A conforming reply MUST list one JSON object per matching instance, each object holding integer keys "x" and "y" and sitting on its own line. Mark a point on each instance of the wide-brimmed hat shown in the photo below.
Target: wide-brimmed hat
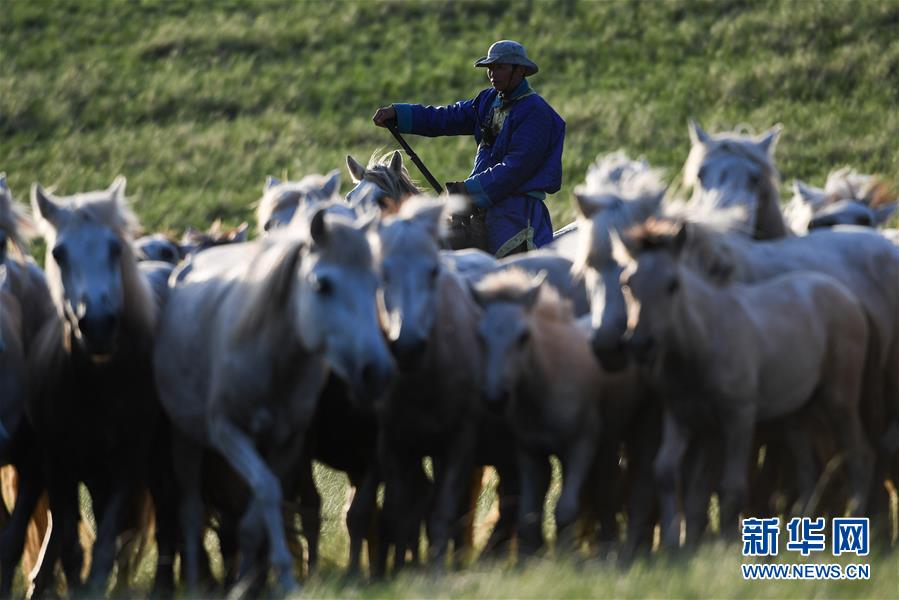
{"x": 508, "y": 52}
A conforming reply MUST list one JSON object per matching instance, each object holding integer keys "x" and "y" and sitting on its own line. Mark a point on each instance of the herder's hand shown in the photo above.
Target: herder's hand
{"x": 384, "y": 114}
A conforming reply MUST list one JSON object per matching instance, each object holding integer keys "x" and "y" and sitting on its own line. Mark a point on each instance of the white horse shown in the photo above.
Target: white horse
{"x": 281, "y": 199}
{"x": 733, "y": 169}
{"x": 246, "y": 342}
{"x": 729, "y": 355}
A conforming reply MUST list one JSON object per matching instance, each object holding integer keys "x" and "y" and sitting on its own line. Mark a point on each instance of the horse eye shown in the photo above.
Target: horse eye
{"x": 115, "y": 249}
{"x": 433, "y": 273}
{"x": 59, "y": 255}
{"x": 523, "y": 338}
{"x": 267, "y": 226}
{"x": 322, "y": 286}
{"x": 673, "y": 285}
{"x": 753, "y": 180}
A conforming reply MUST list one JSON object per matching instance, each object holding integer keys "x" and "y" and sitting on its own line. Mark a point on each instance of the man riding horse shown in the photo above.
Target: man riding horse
{"x": 519, "y": 158}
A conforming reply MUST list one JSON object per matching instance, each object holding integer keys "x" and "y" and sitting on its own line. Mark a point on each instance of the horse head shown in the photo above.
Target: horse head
{"x": 282, "y": 199}
{"x": 410, "y": 268}
{"x": 385, "y": 182}
{"x": 91, "y": 269}
{"x": 504, "y": 331}
{"x": 651, "y": 280}
{"x": 618, "y": 194}
{"x": 334, "y": 303}
{"x": 733, "y": 169}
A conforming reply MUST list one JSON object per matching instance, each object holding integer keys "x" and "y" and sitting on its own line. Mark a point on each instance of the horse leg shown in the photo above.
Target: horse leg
{"x": 310, "y": 512}
{"x": 602, "y": 495}
{"x": 576, "y": 465}
{"x": 738, "y": 429}
{"x": 359, "y": 519}
{"x": 396, "y": 520}
{"x": 165, "y": 503}
{"x": 63, "y": 540}
{"x": 450, "y": 489}
{"x": 667, "y": 470}
{"x": 535, "y": 474}
{"x": 642, "y": 447}
{"x": 12, "y": 539}
{"x": 240, "y": 452}
{"x": 508, "y": 492}
{"x": 108, "y": 526}
{"x": 699, "y": 477}
{"x": 188, "y": 462}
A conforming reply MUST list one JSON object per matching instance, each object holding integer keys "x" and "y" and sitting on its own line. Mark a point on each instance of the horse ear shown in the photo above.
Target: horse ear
{"x": 117, "y": 189}
{"x": 3, "y": 185}
{"x": 584, "y": 203}
{"x": 357, "y": 171}
{"x": 43, "y": 204}
{"x": 396, "y": 162}
{"x": 240, "y": 234}
{"x": 803, "y": 191}
{"x": 697, "y": 135}
{"x": 332, "y": 184}
{"x": 270, "y": 182}
{"x": 318, "y": 229}
{"x": 768, "y": 141}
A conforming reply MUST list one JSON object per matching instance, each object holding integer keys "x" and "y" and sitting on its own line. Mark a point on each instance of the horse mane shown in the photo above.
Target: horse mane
{"x": 397, "y": 185}
{"x": 625, "y": 191}
{"x": 15, "y": 222}
{"x": 848, "y": 184}
{"x": 287, "y": 193}
{"x": 272, "y": 275}
{"x": 705, "y": 246}
{"x": 514, "y": 286}
{"x": 269, "y": 288}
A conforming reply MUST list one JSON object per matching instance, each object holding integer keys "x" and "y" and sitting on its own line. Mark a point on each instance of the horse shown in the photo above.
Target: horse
{"x": 160, "y": 247}
{"x": 847, "y": 198}
{"x": 26, "y": 305}
{"x": 733, "y": 169}
{"x": 429, "y": 320}
{"x": 730, "y": 355}
{"x": 618, "y": 192}
{"x": 281, "y": 199}
{"x": 95, "y": 352}
{"x": 540, "y": 371}
{"x": 268, "y": 320}
{"x": 385, "y": 182}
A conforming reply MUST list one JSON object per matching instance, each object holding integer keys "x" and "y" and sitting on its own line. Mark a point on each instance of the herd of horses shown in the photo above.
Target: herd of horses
{"x": 665, "y": 351}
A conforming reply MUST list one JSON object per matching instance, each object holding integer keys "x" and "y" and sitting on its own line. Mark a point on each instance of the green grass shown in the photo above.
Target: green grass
{"x": 196, "y": 102}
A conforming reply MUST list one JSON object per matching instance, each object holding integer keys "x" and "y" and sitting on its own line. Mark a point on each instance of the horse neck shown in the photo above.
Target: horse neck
{"x": 700, "y": 305}
{"x": 769, "y": 221}
{"x": 457, "y": 317}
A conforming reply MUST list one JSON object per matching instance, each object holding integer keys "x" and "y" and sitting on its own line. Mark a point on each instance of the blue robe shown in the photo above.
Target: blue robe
{"x": 511, "y": 176}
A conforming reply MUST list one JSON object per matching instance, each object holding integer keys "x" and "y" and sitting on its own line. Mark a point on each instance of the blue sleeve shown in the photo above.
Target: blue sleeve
{"x": 460, "y": 118}
{"x": 527, "y": 150}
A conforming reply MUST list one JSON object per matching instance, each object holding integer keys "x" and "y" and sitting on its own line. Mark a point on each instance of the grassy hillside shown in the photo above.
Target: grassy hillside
{"x": 196, "y": 102}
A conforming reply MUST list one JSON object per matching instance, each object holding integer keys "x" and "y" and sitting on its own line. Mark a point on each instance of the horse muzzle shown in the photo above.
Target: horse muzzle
{"x": 612, "y": 353}
{"x": 643, "y": 348}
{"x": 98, "y": 334}
{"x": 408, "y": 352}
